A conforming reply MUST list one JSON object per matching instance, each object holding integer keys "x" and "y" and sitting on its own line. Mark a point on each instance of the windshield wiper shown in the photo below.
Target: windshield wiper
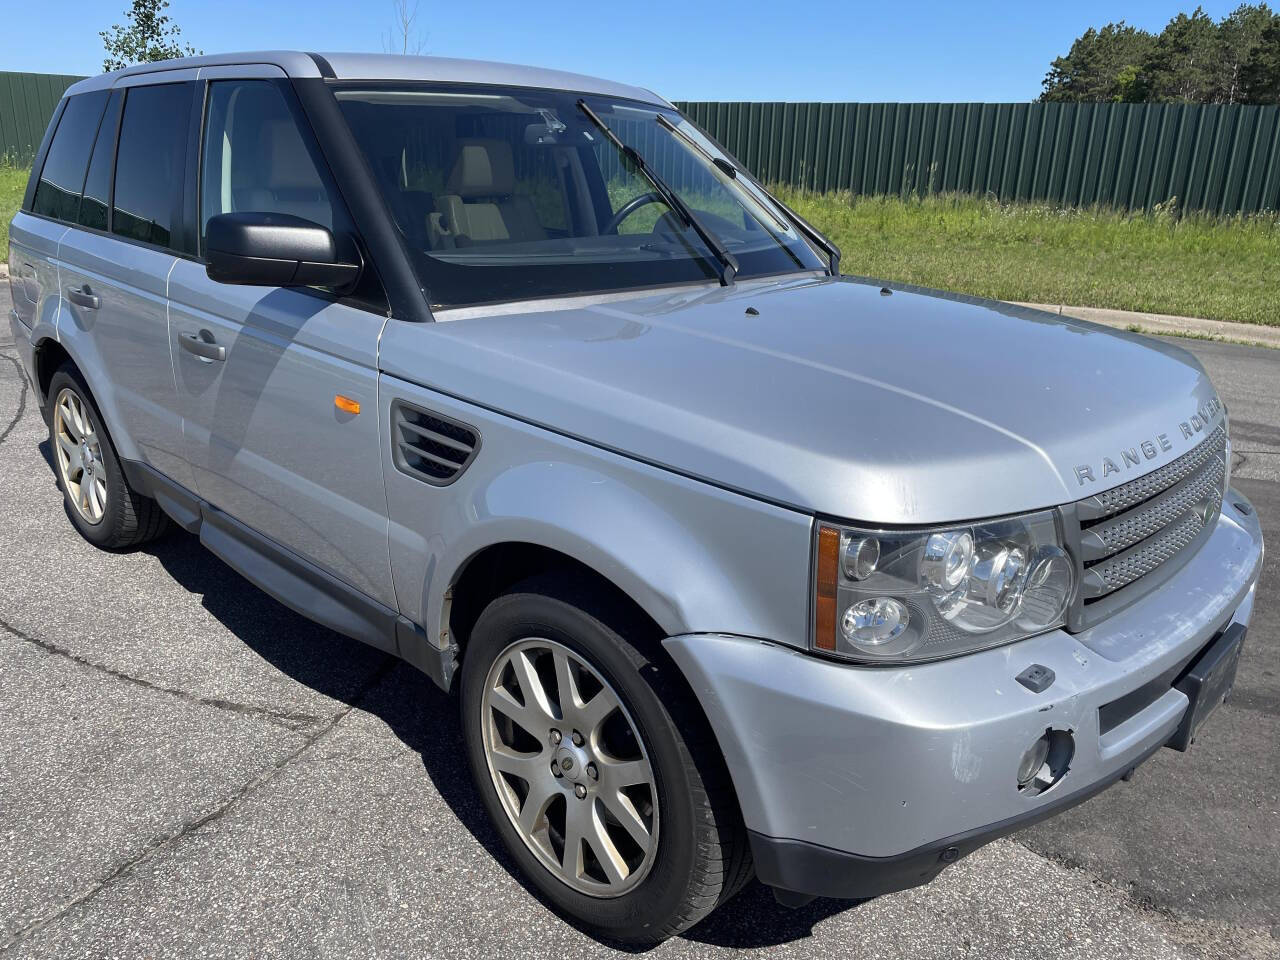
{"x": 721, "y": 164}
{"x": 728, "y": 262}
{"x": 801, "y": 224}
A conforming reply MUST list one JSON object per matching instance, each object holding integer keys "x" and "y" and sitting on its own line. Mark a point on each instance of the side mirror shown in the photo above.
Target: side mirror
{"x": 278, "y": 250}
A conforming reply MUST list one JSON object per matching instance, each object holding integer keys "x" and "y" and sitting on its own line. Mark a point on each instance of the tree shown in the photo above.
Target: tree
{"x": 1101, "y": 65}
{"x": 1260, "y": 75}
{"x": 1239, "y": 34}
{"x": 403, "y": 37}
{"x": 1183, "y": 64}
{"x": 1192, "y": 60}
{"x": 149, "y": 36}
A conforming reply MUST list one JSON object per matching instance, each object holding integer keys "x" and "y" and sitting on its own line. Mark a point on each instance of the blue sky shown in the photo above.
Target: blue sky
{"x": 688, "y": 50}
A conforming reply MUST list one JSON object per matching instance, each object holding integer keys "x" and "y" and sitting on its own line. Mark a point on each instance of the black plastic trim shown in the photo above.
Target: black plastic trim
{"x": 294, "y": 581}
{"x": 365, "y": 202}
{"x": 37, "y": 165}
{"x": 1208, "y": 681}
{"x": 182, "y": 506}
{"x": 323, "y": 65}
{"x": 191, "y": 171}
{"x": 800, "y": 867}
{"x": 1111, "y": 715}
{"x": 398, "y": 418}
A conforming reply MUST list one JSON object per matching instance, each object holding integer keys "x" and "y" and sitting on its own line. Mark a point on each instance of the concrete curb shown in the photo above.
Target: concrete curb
{"x": 1163, "y": 323}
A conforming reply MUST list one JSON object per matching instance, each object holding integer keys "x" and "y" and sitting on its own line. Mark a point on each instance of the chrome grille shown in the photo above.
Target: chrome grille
{"x": 1109, "y": 536}
{"x": 1132, "y": 530}
{"x": 1127, "y": 494}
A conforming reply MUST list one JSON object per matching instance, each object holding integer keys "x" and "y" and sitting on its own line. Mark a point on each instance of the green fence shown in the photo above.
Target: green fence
{"x": 26, "y": 104}
{"x": 1223, "y": 159}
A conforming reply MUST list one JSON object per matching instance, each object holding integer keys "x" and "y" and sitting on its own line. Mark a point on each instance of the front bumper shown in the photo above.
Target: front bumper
{"x": 855, "y": 781}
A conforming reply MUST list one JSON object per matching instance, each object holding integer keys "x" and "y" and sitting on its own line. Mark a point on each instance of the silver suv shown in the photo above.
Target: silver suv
{"x": 737, "y": 565}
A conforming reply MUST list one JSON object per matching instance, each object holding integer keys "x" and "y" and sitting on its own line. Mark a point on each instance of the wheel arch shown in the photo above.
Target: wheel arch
{"x": 49, "y": 354}
{"x": 495, "y": 569}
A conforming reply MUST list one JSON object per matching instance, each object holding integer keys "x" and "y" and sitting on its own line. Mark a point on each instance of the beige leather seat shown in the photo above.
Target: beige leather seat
{"x": 286, "y": 180}
{"x": 480, "y": 205}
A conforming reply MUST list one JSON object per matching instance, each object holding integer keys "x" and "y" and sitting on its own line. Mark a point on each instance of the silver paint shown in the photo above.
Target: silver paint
{"x": 889, "y": 762}
{"x": 680, "y": 446}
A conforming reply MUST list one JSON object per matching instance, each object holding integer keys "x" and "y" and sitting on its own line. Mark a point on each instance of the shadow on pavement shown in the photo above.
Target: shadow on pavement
{"x": 422, "y": 716}
{"x": 425, "y": 719}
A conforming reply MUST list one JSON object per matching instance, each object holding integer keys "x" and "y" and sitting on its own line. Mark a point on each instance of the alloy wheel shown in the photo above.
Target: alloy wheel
{"x": 79, "y": 454}
{"x": 570, "y": 768}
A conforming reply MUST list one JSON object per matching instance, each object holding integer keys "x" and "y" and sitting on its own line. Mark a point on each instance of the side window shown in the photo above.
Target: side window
{"x": 62, "y": 178}
{"x": 257, "y": 159}
{"x": 97, "y": 185}
{"x": 150, "y": 162}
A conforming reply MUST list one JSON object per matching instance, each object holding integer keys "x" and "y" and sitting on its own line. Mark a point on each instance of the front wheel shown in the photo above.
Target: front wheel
{"x": 598, "y": 775}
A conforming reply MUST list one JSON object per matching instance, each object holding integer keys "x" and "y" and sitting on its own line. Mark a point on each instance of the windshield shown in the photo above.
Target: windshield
{"x": 513, "y": 193}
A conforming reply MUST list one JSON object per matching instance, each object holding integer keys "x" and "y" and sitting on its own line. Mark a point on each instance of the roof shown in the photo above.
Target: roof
{"x": 381, "y": 66}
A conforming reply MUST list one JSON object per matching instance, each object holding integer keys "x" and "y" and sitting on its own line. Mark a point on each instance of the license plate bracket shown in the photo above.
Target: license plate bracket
{"x": 1207, "y": 682}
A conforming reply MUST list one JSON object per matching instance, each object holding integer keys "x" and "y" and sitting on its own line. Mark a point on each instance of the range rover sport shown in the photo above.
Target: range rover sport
{"x": 737, "y": 565}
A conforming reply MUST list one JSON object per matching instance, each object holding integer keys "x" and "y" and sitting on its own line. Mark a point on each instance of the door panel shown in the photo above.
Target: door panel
{"x": 123, "y": 343}
{"x": 267, "y": 443}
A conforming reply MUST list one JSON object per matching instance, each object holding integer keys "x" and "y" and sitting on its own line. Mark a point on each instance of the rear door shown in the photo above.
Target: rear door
{"x": 268, "y": 442}
{"x": 115, "y": 264}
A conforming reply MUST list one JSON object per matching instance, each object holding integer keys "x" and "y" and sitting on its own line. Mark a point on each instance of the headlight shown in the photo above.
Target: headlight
{"x": 885, "y": 596}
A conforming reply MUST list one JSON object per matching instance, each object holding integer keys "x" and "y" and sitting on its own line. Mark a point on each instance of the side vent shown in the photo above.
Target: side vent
{"x": 430, "y": 447}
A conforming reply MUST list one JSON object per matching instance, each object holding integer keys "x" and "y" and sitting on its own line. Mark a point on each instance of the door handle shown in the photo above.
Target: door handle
{"x": 202, "y": 345}
{"x": 83, "y": 296}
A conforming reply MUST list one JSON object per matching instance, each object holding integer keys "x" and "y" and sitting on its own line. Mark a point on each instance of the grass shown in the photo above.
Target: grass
{"x": 13, "y": 184}
{"x": 1192, "y": 266}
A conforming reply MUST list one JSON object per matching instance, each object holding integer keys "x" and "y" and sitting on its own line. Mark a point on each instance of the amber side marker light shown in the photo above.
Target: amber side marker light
{"x": 824, "y": 632}
{"x": 346, "y": 404}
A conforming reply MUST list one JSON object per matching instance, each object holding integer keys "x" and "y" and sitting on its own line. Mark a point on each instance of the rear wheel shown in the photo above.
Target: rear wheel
{"x": 599, "y": 776}
{"x": 101, "y": 504}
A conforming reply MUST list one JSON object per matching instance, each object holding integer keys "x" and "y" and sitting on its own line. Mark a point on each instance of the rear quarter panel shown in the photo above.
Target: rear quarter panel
{"x": 33, "y": 273}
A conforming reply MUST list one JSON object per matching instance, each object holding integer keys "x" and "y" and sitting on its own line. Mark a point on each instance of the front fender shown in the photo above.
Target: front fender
{"x": 695, "y": 557}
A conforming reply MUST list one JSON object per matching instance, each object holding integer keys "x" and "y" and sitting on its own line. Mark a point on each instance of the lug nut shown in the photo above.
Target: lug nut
{"x": 556, "y": 736}
{"x": 555, "y": 770}
{"x": 579, "y": 791}
{"x": 577, "y": 739}
{"x": 592, "y": 772}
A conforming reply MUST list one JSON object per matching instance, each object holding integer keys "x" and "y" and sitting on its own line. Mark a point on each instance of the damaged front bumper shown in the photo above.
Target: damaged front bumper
{"x": 855, "y": 781}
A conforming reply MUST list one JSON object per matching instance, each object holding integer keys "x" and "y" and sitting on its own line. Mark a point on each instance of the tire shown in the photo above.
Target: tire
{"x": 699, "y": 853}
{"x": 103, "y": 507}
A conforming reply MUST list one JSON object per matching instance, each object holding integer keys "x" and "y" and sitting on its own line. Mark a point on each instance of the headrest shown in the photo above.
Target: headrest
{"x": 483, "y": 169}
{"x": 291, "y": 166}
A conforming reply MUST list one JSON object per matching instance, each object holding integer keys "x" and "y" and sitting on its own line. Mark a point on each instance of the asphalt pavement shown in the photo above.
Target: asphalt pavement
{"x": 188, "y": 768}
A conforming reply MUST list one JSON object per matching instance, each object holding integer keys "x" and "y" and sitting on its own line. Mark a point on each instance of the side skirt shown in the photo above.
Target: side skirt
{"x": 294, "y": 581}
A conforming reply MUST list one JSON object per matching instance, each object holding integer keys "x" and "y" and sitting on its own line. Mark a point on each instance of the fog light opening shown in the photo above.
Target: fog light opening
{"x": 1045, "y": 762}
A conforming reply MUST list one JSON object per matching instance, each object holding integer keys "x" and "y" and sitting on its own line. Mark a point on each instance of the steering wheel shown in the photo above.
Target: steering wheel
{"x": 630, "y": 207}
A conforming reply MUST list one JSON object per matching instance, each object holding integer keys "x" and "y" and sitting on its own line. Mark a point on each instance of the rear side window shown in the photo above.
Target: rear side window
{"x": 257, "y": 158}
{"x": 62, "y": 178}
{"x": 97, "y": 185}
{"x": 150, "y": 162}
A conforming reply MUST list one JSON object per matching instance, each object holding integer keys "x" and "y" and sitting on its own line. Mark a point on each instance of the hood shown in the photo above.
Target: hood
{"x": 836, "y": 396}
